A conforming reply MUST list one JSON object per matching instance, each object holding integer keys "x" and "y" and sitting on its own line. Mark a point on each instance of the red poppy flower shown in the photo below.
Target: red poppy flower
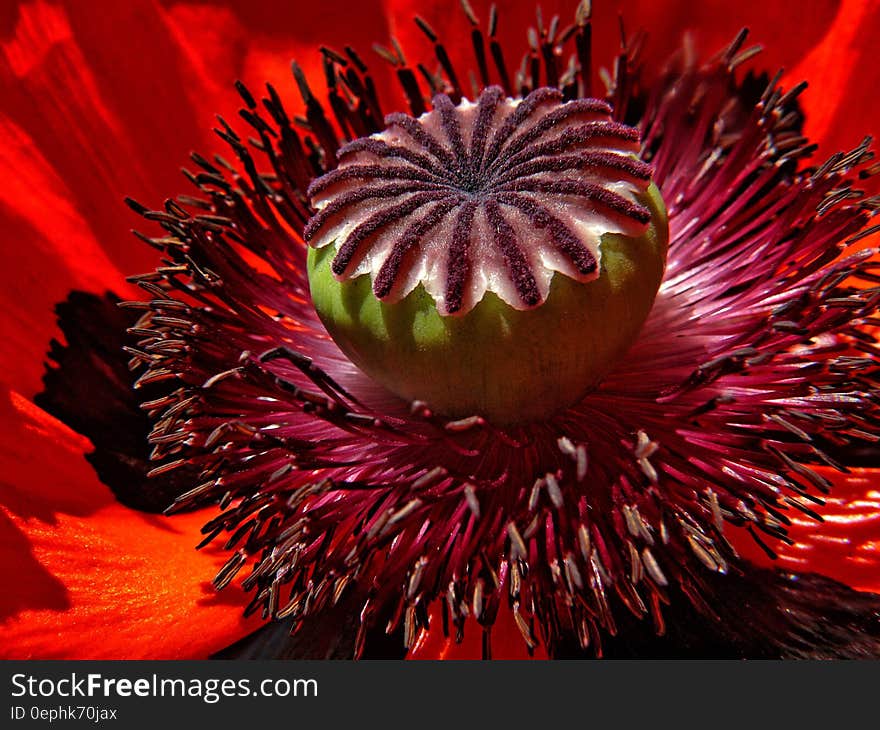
{"x": 750, "y": 391}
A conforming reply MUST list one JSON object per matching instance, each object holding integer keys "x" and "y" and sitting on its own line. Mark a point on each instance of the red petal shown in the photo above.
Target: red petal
{"x": 845, "y": 547}
{"x": 36, "y": 212}
{"x": 88, "y": 578}
{"x": 842, "y": 104}
{"x": 255, "y": 42}
{"x": 89, "y": 104}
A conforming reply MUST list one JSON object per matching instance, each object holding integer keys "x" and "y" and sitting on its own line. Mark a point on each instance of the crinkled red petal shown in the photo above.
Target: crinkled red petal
{"x": 88, "y": 578}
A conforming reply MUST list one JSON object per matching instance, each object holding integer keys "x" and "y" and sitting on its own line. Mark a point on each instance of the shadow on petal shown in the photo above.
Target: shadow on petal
{"x": 35, "y": 587}
{"x": 133, "y": 591}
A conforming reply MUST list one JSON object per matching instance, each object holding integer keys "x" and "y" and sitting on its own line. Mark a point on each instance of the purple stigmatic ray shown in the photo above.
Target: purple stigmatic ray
{"x": 517, "y": 264}
{"x": 458, "y": 265}
{"x": 395, "y": 260}
{"x": 487, "y": 105}
{"x": 564, "y": 239}
{"x": 378, "y": 221}
{"x": 562, "y": 169}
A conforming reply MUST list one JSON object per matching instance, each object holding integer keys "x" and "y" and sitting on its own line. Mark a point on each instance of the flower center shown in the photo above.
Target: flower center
{"x": 471, "y": 211}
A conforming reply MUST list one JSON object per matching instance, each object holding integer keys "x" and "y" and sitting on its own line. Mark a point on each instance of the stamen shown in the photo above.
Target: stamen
{"x": 497, "y": 52}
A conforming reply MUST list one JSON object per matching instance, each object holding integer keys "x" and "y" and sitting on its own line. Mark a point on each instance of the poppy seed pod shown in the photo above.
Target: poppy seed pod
{"x": 513, "y": 251}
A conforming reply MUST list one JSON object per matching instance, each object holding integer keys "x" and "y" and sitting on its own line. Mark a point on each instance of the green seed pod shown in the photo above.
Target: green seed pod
{"x": 507, "y": 289}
